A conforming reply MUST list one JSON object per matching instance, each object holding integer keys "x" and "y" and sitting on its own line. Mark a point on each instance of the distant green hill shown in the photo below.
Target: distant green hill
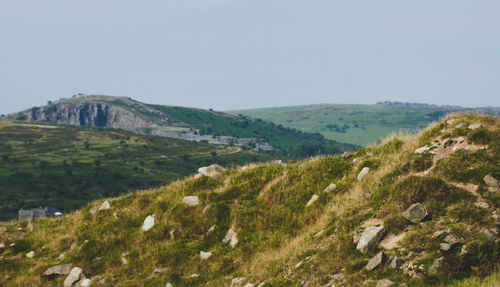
{"x": 66, "y": 167}
{"x": 180, "y": 122}
{"x": 355, "y": 124}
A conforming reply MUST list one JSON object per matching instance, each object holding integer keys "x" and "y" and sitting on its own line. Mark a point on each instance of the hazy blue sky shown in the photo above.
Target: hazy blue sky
{"x": 234, "y": 54}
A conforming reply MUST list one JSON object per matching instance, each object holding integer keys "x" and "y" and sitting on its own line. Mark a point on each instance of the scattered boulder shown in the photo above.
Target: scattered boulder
{"x": 437, "y": 264}
{"x": 231, "y": 237}
{"x": 422, "y": 149}
{"x": 149, "y": 222}
{"x": 439, "y": 233}
{"x": 160, "y": 270}
{"x": 330, "y": 188}
{"x": 372, "y": 234}
{"x": 452, "y": 240}
{"x": 444, "y": 246}
{"x": 237, "y": 281}
{"x": 74, "y": 275}
{"x": 30, "y": 254}
{"x": 415, "y": 213}
{"x": 63, "y": 269}
{"x": 384, "y": 283}
{"x": 363, "y": 172}
{"x": 214, "y": 171}
{"x": 491, "y": 182}
{"x": 482, "y": 204}
{"x": 105, "y": 205}
{"x": 312, "y": 200}
{"x": 492, "y": 233}
{"x": 191, "y": 200}
{"x": 85, "y": 282}
{"x": 376, "y": 261}
{"x": 205, "y": 255}
{"x": 475, "y": 126}
{"x": 396, "y": 262}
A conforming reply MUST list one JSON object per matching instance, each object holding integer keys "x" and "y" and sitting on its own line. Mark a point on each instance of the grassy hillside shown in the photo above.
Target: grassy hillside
{"x": 355, "y": 124}
{"x": 66, "y": 167}
{"x": 289, "y": 230}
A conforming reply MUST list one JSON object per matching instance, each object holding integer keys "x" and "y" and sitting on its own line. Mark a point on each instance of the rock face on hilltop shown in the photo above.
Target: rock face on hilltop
{"x": 86, "y": 114}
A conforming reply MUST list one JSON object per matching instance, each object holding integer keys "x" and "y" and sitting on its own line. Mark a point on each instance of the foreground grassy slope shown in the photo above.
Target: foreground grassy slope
{"x": 282, "y": 240}
{"x": 66, "y": 167}
{"x": 354, "y": 124}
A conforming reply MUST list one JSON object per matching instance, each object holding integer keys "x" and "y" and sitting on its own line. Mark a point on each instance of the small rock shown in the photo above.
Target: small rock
{"x": 444, "y": 246}
{"x": 191, "y": 200}
{"x": 205, "y": 209}
{"x": 169, "y": 285}
{"x": 214, "y": 171}
{"x": 279, "y": 162}
{"x": 375, "y": 261}
{"x": 437, "y": 264}
{"x": 30, "y": 254}
{"x": 330, "y": 188}
{"x": 452, "y": 240}
{"x": 160, "y": 269}
{"x": 396, "y": 262}
{"x": 149, "y": 222}
{"x": 73, "y": 276}
{"x": 85, "y": 283}
{"x": 372, "y": 234}
{"x": 491, "y": 233}
{"x": 491, "y": 182}
{"x": 475, "y": 126}
{"x": 422, "y": 149}
{"x": 298, "y": 265}
{"x": 104, "y": 205}
{"x": 363, "y": 172}
{"x": 312, "y": 200}
{"x": 237, "y": 281}
{"x": 205, "y": 255}
{"x": 231, "y": 237}
{"x": 384, "y": 283}
{"x": 211, "y": 229}
{"x": 415, "y": 213}
{"x": 319, "y": 233}
{"x": 482, "y": 204}
{"x": 63, "y": 269}
{"x": 439, "y": 233}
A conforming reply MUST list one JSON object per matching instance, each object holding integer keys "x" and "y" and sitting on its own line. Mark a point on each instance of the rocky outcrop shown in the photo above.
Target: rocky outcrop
{"x": 86, "y": 114}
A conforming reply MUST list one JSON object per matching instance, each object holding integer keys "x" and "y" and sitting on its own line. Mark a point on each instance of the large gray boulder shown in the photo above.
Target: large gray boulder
{"x": 415, "y": 213}
{"x": 214, "y": 171}
{"x": 372, "y": 234}
{"x": 376, "y": 261}
{"x": 63, "y": 269}
{"x": 74, "y": 276}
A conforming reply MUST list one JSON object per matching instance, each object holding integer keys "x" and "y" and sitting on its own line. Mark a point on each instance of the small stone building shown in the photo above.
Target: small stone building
{"x": 39, "y": 212}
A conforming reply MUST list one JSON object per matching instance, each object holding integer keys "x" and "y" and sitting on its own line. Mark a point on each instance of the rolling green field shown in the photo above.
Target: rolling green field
{"x": 355, "y": 124}
{"x": 66, "y": 167}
